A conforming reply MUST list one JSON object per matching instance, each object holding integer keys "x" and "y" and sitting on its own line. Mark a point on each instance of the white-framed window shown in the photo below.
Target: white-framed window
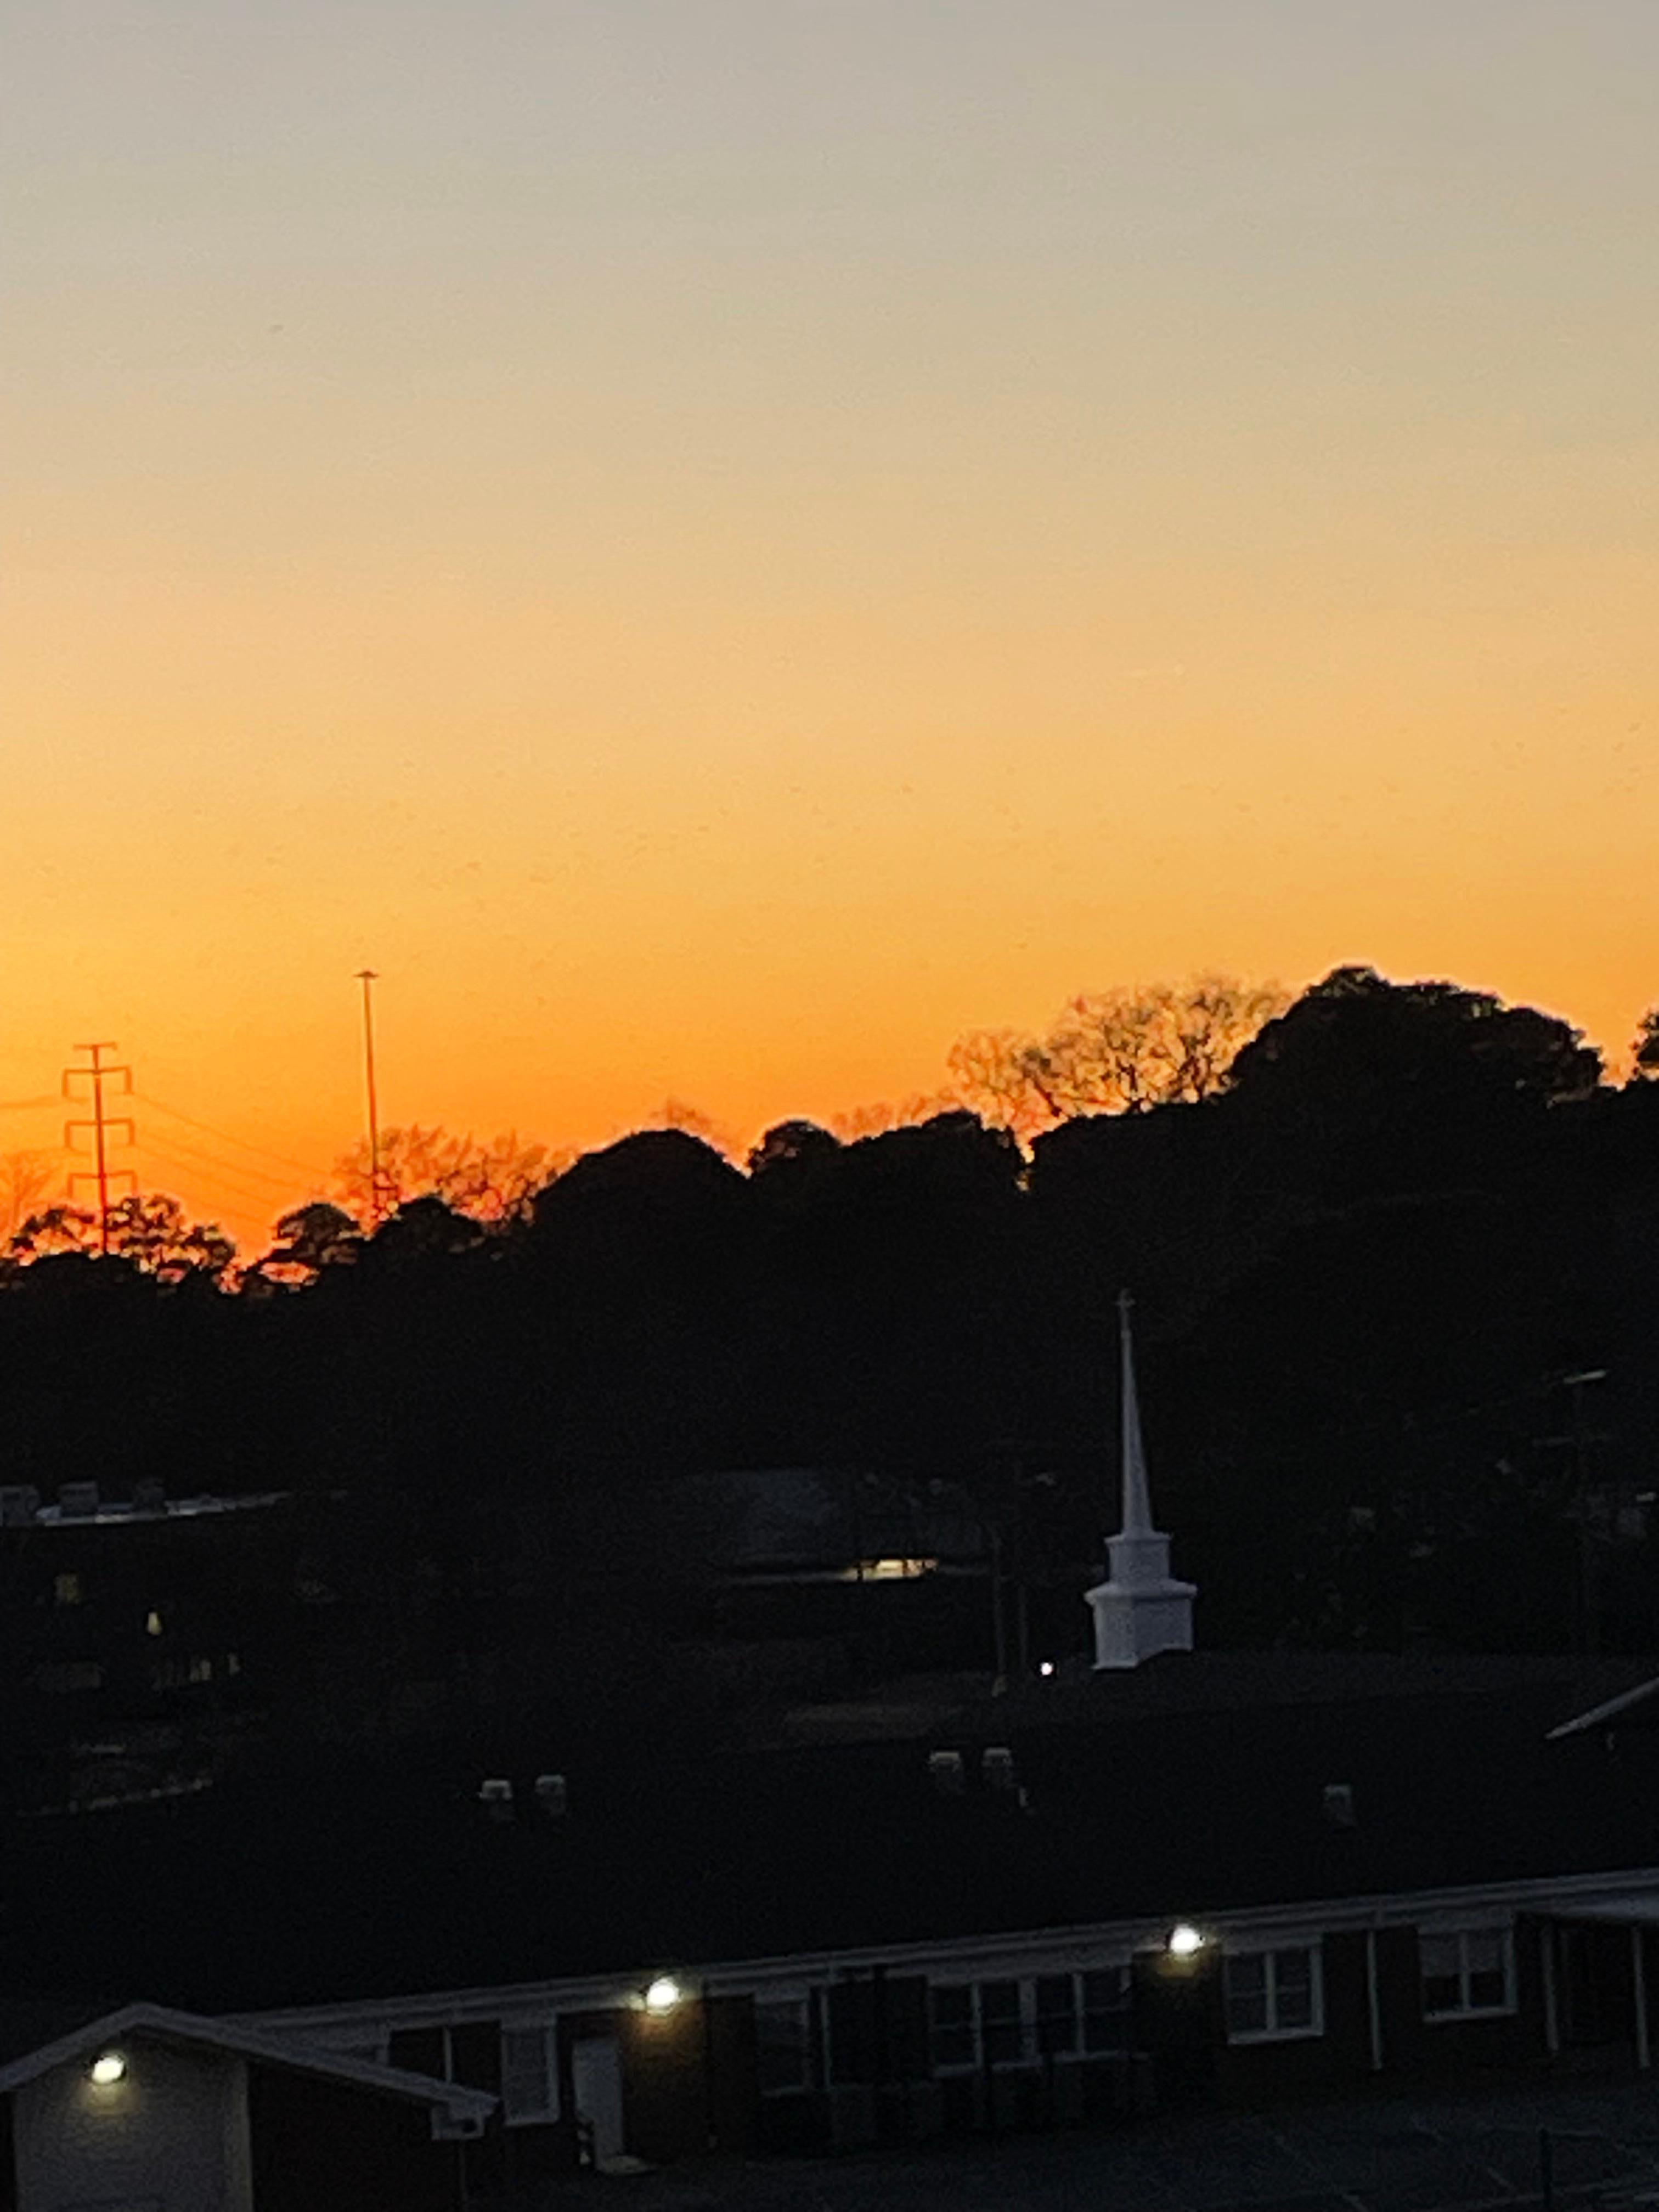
{"x": 1467, "y": 1972}
{"x": 1271, "y": 1996}
{"x": 1014, "y": 2023}
{"x": 529, "y": 2073}
{"x": 783, "y": 2045}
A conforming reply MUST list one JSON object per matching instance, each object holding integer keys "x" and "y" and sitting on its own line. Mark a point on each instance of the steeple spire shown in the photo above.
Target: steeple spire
{"x": 1137, "y": 1500}
{"x": 1140, "y": 1609}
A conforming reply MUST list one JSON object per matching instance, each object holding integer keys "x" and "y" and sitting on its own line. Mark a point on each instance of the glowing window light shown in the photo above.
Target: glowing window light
{"x": 1184, "y": 1940}
{"x": 663, "y": 1995}
{"x": 888, "y": 1570}
{"x": 108, "y": 2068}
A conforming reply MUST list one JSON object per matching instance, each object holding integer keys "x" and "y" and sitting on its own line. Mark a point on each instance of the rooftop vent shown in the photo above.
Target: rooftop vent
{"x": 552, "y": 1796}
{"x": 77, "y": 1500}
{"x": 1338, "y": 1805}
{"x": 496, "y": 1795}
{"x": 944, "y": 1771}
{"x": 149, "y": 1496}
{"x": 19, "y": 1502}
{"x": 996, "y": 1766}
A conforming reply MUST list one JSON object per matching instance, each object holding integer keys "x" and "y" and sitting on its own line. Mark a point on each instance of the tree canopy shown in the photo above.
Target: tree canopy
{"x": 1367, "y": 1244}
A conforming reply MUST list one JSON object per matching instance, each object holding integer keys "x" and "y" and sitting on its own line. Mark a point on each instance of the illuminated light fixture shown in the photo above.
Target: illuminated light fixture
{"x": 1184, "y": 1940}
{"x": 108, "y": 2068}
{"x": 1045, "y": 1668}
{"x": 663, "y": 1995}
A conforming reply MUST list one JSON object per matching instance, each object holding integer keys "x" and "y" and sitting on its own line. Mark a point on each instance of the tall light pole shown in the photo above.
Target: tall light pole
{"x": 366, "y": 977}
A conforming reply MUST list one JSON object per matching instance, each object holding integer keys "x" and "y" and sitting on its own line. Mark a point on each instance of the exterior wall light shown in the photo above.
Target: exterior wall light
{"x": 108, "y": 2068}
{"x": 663, "y": 1995}
{"x": 1184, "y": 1940}
{"x": 1045, "y": 1668}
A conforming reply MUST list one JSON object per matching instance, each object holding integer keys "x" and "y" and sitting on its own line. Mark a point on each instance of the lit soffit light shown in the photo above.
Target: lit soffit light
{"x": 663, "y": 1995}
{"x": 1184, "y": 1940}
{"x": 108, "y": 2068}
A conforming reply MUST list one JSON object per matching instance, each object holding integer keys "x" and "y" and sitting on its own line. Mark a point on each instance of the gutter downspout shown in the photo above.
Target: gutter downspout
{"x": 1639, "y": 1994}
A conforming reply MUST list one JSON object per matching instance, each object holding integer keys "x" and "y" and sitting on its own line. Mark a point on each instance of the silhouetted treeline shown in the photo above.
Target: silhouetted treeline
{"x": 1363, "y": 1272}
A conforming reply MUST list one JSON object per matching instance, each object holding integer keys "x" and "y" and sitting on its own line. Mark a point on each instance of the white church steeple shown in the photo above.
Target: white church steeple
{"x": 1140, "y": 1609}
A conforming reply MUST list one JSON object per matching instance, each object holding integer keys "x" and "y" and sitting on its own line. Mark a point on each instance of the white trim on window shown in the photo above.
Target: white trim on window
{"x": 1036, "y": 2028}
{"x": 1282, "y": 1981}
{"x": 1466, "y": 1959}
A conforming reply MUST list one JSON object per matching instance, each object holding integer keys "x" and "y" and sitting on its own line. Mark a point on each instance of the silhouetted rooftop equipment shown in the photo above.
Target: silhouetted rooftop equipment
{"x": 945, "y": 1773}
{"x": 1338, "y": 1805}
{"x": 552, "y": 1796}
{"x": 996, "y": 1766}
{"x": 18, "y": 1504}
{"x": 77, "y": 1500}
{"x": 496, "y": 1795}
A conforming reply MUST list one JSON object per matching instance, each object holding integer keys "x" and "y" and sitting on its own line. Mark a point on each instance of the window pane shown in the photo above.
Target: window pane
{"x": 999, "y": 2023}
{"x": 1484, "y": 1947}
{"x": 1056, "y": 2015}
{"x": 1293, "y": 1985}
{"x": 953, "y": 2026}
{"x": 1442, "y": 1993}
{"x": 1106, "y": 1988}
{"x": 1439, "y": 1955}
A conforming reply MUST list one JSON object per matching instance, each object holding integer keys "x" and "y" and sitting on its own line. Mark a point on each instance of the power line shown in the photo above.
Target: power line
{"x": 230, "y": 1167}
{"x": 177, "y": 1113}
{"x": 200, "y": 1169}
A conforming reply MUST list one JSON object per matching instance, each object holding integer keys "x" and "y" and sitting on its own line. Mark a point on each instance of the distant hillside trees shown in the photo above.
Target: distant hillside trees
{"x": 493, "y": 1179}
{"x": 1367, "y": 1242}
{"x": 147, "y": 1230}
{"x": 1113, "y": 1052}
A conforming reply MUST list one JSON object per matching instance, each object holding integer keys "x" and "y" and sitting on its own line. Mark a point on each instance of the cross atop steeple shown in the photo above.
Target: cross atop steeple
{"x": 1140, "y": 1609}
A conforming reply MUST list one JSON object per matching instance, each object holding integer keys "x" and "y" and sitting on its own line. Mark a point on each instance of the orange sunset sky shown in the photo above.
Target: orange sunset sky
{"x": 719, "y": 544}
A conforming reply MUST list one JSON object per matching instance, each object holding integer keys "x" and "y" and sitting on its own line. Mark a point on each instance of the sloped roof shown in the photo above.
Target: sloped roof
{"x": 1195, "y": 1782}
{"x": 161, "y": 2024}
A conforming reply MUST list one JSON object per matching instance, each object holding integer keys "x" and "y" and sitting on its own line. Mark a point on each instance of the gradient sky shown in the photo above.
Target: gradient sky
{"x": 719, "y": 544}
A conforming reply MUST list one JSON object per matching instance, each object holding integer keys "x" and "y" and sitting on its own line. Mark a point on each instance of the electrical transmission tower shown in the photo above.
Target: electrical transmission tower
{"x": 103, "y": 1126}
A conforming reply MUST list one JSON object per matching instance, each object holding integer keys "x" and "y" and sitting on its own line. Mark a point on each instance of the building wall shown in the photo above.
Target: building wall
{"x": 175, "y": 2131}
{"x": 326, "y": 2147}
{"x": 871, "y": 2068}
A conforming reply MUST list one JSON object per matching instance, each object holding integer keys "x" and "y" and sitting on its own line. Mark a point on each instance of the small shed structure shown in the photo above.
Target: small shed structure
{"x": 149, "y": 2110}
